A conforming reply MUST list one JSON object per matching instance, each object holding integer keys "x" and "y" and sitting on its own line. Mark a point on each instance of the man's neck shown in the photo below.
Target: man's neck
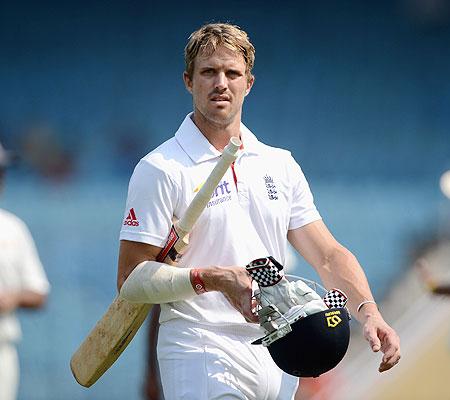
{"x": 218, "y": 135}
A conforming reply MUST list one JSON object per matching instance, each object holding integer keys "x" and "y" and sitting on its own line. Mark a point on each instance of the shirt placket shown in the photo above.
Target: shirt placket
{"x": 241, "y": 184}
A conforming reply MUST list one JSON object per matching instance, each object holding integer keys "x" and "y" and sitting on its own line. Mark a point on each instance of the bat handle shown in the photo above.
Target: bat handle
{"x": 232, "y": 147}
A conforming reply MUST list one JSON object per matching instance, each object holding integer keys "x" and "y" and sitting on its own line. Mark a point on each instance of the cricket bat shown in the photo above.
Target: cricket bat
{"x": 117, "y": 327}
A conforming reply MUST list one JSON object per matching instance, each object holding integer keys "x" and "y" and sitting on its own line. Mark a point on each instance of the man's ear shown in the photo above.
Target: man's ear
{"x": 187, "y": 82}
{"x": 250, "y": 83}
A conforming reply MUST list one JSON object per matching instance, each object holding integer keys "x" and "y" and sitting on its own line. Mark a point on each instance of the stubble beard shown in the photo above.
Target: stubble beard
{"x": 217, "y": 120}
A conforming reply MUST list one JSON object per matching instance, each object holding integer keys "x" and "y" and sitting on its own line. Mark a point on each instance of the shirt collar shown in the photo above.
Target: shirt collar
{"x": 198, "y": 148}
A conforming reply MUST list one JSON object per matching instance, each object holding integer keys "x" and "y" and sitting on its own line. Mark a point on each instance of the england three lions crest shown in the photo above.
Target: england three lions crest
{"x": 271, "y": 188}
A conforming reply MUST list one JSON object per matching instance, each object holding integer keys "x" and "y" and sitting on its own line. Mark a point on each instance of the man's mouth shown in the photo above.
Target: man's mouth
{"x": 220, "y": 98}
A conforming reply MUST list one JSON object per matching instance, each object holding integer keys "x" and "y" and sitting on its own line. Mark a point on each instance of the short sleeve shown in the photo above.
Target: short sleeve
{"x": 151, "y": 201}
{"x": 32, "y": 275}
{"x": 303, "y": 209}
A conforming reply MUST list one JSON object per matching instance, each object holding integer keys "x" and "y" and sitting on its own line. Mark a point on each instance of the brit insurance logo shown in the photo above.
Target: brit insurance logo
{"x": 271, "y": 188}
{"x": 221, "y": 194}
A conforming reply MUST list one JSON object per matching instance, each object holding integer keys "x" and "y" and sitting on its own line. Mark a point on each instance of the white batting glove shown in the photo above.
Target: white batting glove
{"x": 275, "y": 289}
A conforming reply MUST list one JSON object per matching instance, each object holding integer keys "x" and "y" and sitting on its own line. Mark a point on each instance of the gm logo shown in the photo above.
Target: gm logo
{"x": 333, "y": 321}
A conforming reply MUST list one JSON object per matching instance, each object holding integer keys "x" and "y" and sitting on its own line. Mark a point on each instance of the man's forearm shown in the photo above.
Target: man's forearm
{"x": 342, "y": 270}
{"x": 30, "y": 299}
{"x": 10, "y": 301}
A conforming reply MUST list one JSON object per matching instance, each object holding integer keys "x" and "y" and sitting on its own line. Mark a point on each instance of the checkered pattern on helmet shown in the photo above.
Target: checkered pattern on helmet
{"x": 264, "y": 272}
{"x": 334, "y": 298}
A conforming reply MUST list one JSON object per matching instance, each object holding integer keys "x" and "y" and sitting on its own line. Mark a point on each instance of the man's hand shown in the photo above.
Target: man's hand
{"x": 381, "y": 337}
{"x": 236, "y": 286}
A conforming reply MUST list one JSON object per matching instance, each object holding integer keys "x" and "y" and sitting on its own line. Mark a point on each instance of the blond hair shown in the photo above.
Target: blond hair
{"x": 209, "y": 37}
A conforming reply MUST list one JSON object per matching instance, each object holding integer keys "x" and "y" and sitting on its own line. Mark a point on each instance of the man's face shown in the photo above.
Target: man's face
{"x": 218, "y": 86}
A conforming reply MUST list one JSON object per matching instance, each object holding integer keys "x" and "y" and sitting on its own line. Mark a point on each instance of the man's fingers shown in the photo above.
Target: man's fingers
{"x": 251, "y": 318}
{"x": 382, "y": 337}
{"x": 387, "y": 364}
{"x": 244, "y": 306}
{"x": 375, "y": 345}
{"x": 246, "y": 310}
{"x": 392, "y": 358}
{"x": 372, "y": 337}
{"x": 391, "y": 350}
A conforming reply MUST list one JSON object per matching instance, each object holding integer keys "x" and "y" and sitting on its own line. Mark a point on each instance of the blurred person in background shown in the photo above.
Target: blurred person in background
{"x": 23, "y": 284}
{"x": 431, "y": 283}
{"x": 42, "y": 149}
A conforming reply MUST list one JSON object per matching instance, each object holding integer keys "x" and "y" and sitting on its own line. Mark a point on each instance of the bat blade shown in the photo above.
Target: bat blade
{"x": 117, "y": 327}
{"x": 107, "y": 340}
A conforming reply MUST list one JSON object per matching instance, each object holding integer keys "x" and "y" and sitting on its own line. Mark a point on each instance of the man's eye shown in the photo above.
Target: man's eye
{"x": 208, "y": 72}
{"x": 233, "y": 74}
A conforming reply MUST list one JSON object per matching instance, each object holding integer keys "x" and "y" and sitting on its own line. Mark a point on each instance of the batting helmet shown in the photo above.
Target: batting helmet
{"x": 316, "y": 344}
{"x": 313, "y": 344}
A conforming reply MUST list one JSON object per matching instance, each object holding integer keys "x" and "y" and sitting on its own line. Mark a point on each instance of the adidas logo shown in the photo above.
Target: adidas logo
{"x": 131, "y": 220}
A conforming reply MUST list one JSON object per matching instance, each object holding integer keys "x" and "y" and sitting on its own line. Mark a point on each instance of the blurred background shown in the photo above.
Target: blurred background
{"x": 359, "y": 93}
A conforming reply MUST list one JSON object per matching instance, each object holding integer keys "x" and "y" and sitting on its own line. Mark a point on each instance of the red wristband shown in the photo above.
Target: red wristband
{"x": 197, "y": 282}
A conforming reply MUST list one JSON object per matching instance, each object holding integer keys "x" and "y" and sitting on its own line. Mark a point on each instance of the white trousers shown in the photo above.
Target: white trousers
{"x": 9, "y": 371}
{"x": 199, "y": 364}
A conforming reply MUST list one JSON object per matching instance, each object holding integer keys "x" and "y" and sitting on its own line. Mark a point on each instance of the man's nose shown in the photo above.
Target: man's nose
{"x": 221, "y": 81}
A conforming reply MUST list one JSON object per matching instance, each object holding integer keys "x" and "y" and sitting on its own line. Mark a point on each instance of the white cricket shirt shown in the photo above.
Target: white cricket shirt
{"x": 20, "y": 268}
{"x": 248, "y": 216}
